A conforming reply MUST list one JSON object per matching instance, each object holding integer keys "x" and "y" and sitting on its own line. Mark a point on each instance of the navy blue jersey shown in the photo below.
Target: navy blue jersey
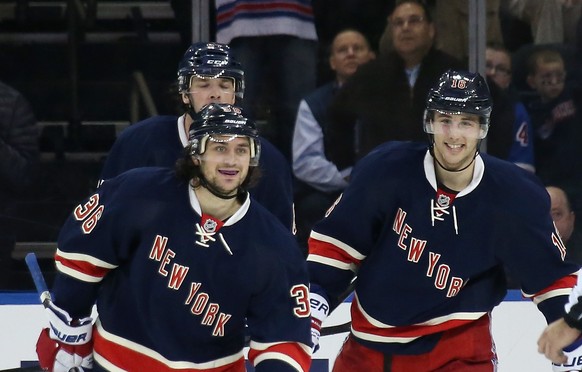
{"x": 423, "y": 265}
{"x": 159, "y": 141}
{"x": 174, "y": 285}
{"x": 522, "y": 150}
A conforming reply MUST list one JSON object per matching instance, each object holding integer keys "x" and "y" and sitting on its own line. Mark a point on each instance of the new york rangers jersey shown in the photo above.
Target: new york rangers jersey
{"x": 522, "y": 151}
{"x": 426, "y": 264}
{"x": 160, "y": 141}
{"x": 175, "y": 288}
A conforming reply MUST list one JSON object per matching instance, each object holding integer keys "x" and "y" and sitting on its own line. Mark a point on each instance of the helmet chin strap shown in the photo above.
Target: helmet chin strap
{"x": 214, "y": 191}
{"x": 190, "y": 110}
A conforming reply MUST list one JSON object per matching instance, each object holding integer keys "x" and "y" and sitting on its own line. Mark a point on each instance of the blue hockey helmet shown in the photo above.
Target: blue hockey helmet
{"x": 459, "y": 92}
{"x": 223, "y": 119}
{"x": 210, "y": 61}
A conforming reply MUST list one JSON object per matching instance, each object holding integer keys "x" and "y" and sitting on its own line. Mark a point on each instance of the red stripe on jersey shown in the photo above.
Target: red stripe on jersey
{"x": 565, "y": 282}
{"x": 325, "y": 249}
{"x": 264, "y": 8}
{"x": 291, "y": 349}
{"x": 131, "y": 360}
{"x": 83, "y": 267}
{"x": 361, "y": 324}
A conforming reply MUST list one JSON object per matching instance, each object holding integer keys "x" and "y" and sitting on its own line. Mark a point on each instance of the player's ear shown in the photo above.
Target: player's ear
{"x": 185, "y": 99}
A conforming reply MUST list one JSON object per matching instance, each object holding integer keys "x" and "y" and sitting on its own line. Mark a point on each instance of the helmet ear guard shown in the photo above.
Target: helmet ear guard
{"x": 221, "y": 119}
{"x": 459, "y": 92}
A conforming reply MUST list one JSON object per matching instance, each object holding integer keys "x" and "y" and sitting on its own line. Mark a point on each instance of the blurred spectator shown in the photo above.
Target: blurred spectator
{"x": 565, "y": 221}
{"x": 520, "y": 59}
{"x": 498, "y": 70}
{"x": 557, "y": 123}
{"x": 19, "y": 155}
{"x": 515, "y": 31}
{"x": 320, "y": 180}
{"x": 19, "y": 135}
{"x": 276, "y": 43}
{"x": 385, "y": 99}
{"x": 551, "y": 21}
{"x": 452, "y": 22}
{"x": 333, "y": 16}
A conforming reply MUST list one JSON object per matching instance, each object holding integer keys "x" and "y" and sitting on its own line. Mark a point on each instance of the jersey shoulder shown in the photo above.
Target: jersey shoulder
{"x": 393, "y": 158}
{"x": 145, "y": 182}
{"x": 154, "y": 125}
{"x": 514, "y": 184}
{"x": 276, "y": 236}
{"x": 507, "y": 173}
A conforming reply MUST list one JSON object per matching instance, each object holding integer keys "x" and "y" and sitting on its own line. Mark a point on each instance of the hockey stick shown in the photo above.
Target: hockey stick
{"x": 38, "y": 279}
{"x": 344, "y": 327}
{"x": 334, "y": 330}
{"x": 41, "y": 287}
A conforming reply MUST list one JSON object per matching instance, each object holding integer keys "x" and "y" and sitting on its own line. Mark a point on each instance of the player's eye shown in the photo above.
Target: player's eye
{"x": 242, "y": 150}
{"x": 201, "y": 85}
{"x": 468, "y": 124}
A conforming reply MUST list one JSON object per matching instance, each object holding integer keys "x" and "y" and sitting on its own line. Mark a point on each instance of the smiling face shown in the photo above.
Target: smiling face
{"x": 225, "y": 162}
{"x": 456, "y": 138}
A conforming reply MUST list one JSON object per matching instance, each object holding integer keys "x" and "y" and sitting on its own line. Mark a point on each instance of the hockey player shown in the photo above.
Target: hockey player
{"x": 207, "y": 73}
{"x": 428, "y": 236}
{"x": 177, "y": 262}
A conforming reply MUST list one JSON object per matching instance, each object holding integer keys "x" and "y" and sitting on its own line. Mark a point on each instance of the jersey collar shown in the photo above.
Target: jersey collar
{"x": 430, "y": 174}
{"x": 237, "y": 216}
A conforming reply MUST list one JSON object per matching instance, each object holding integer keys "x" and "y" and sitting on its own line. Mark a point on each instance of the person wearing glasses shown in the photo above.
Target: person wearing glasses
{"x": 397, "y": 81}
{"x": 520, "y": 149}
{"x": 557, "y": 123}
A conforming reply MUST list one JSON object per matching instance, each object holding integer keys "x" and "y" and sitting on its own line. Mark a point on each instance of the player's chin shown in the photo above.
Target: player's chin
{"x": 456, "y": 160}
{"x": 230, "y": 186}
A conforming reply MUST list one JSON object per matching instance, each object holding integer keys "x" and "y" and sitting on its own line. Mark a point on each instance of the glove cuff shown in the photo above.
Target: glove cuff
{"x": 63, "y": 330}
{"x": 319, "y": 307}
{"x": 573, "y": 322}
